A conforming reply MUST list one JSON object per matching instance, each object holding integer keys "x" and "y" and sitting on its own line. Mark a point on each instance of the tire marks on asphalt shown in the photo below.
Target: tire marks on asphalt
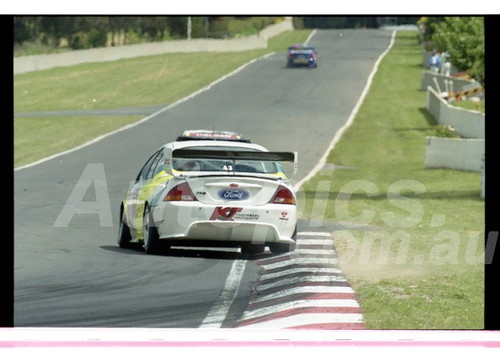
{"x": 304, "y": 289}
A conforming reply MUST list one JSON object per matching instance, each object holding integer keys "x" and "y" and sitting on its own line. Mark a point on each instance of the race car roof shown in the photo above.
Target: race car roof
{"x": 203, "y": 134}
{"x": 301, "y": 47}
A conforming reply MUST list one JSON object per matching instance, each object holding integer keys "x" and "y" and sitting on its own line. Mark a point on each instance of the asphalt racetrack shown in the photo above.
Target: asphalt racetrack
{"x": 69, "y": 272}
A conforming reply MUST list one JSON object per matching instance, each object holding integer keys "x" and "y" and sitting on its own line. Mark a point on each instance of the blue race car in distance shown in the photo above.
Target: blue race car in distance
{"x": 302, "y": 55}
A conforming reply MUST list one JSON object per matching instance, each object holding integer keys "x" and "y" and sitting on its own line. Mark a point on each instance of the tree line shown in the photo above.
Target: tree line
{"x": 83, "y": 32}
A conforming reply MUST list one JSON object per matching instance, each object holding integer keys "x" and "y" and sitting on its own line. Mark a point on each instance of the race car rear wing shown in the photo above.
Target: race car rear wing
{"x": 176, "y": 156}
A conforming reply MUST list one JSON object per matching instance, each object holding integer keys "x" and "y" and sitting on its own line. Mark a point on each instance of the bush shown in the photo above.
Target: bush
{"x": 97, "y": 38}
{"x": 463, "y": 39}
{"x": 241, "y": 28}
{"x": 80, "y": 41}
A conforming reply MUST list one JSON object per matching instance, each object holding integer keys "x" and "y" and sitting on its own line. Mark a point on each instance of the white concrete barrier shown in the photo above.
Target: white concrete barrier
{"x": 455, "y": 153}
{"x": 32, "y": 63}
{"x": 467, "y": 123}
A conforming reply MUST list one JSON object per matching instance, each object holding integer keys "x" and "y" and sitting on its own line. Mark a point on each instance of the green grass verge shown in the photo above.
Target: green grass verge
{"x": 38, "y": 137}
{"x": 417, "y": 264}
{"x": 143, "y": 81}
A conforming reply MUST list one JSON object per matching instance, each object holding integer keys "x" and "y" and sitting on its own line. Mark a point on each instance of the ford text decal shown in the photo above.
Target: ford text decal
{"x": 233, "y": 194}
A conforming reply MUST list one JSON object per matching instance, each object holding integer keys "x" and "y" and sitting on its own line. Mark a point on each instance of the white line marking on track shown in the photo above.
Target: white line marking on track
{"x": 310, "y": 37}
{"x": 217, "y": 314}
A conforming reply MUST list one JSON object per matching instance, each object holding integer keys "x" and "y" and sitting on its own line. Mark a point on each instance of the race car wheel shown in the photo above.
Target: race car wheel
{"x": 150, "y": 233}
{"x": 281, "y": 248}
{"x": 124, "y": 236}
{"x": 277, "y": 248}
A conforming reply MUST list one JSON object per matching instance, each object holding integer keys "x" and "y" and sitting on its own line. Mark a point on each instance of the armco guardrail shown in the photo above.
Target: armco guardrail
{"x": 25, "y": 64}
{"x": 467, "y": 123}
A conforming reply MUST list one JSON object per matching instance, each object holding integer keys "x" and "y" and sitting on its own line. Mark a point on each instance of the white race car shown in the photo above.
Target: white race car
{"x": 212, "y": 193}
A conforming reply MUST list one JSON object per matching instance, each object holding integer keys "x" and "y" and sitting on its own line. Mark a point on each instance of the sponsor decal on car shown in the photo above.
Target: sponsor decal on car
{"x": 284, "y": 215}
{"x": 225, "y": 213}
{"x": 247, "y": 216}
{"x": 233, "y": 194}
{"x": 232, "y": 213}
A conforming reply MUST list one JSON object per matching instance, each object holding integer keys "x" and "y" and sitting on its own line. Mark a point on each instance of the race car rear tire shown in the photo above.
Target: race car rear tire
{"x": 281, "y": 248}
{"x": 150, "y": 233}
{"x": 124, "y": 236}
{"x": 277, "y": 248}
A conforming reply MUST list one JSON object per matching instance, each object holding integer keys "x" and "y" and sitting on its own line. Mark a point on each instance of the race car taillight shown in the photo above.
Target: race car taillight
{"x": 283, "y": 196}
{"x": 181, "y": 192}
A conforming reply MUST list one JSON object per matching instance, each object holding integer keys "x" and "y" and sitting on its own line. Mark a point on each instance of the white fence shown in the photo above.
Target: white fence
{"x": 25, "y": 64}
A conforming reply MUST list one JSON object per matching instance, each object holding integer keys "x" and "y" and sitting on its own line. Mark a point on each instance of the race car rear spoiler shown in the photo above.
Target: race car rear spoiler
{"x": 186, "y": 154}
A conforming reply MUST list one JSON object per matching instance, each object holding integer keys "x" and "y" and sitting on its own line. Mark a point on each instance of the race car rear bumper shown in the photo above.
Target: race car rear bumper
{"x": 250, "y": 224}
